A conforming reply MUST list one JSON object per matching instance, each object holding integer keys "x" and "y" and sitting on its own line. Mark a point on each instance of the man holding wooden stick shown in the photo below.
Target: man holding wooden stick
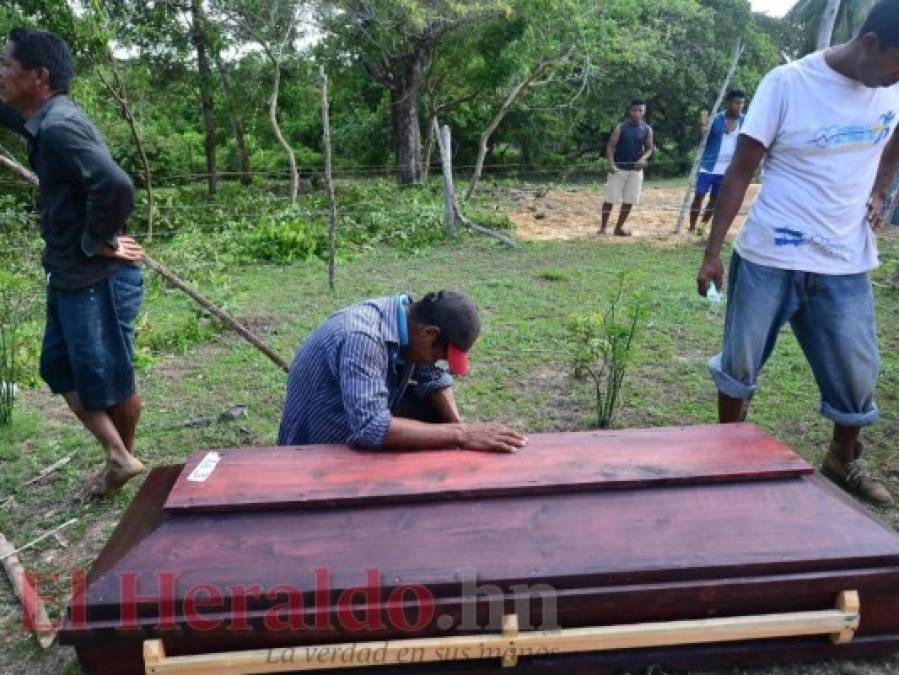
{"x": 94, "y": 288}
{"x": 629, "y": 149}
{"x": 825, "y": 126}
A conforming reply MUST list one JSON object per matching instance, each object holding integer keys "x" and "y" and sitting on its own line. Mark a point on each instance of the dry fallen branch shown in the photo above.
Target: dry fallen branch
{"x": 33, "y": 607}
{"x": 50, "y": 469}
{"x": 4, "y": 556}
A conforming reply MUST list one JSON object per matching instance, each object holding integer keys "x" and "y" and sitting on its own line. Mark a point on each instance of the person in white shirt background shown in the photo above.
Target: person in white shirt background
{"x": 825, "y": 127}
{"x": 724, "y": 129}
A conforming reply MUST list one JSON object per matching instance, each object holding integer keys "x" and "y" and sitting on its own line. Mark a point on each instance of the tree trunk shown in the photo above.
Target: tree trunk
{"x": 828, "y": 21}
{"x": 404, "y": 114}
{"x": 273, "y": 120}
{"x": 117, "y": 89}
{"x": 243, "y": 155}
{"x": 536, "y": 72}
{"x": 429, "y": 148}
{"x": 201, "y": 43}
{"x": 329, "y": 180}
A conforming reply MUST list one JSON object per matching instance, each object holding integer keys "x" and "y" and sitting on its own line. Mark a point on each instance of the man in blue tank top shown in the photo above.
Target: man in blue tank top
{"x": 629, "y": 148}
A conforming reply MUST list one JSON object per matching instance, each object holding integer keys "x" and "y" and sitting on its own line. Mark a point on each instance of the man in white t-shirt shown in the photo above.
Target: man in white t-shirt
{"x": 825, "y": 127}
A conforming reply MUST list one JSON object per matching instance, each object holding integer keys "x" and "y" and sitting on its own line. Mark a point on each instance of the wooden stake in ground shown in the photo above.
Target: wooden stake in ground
{"x": 694, "y": 172}
{"x": 329, "y": 179}
{"x": 453, "y": 213}
{"x": 32, "y": 606}
{"x": 449, "y": 192}
{"x": 173, "y": 279}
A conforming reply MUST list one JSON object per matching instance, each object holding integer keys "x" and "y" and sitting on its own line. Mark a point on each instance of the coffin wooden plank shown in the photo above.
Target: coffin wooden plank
{"x": 317, "y": 476}
{"x": 626, "y": 536}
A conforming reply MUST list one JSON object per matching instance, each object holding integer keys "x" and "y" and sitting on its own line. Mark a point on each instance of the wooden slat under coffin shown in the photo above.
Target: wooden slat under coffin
{"x": 317, "y": 476}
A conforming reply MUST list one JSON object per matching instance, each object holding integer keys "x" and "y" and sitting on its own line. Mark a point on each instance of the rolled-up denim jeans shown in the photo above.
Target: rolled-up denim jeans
{"x": 832, "y": 317}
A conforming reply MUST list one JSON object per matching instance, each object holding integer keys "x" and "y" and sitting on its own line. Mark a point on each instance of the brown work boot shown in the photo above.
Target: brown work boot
{"x": 854, "y": 477}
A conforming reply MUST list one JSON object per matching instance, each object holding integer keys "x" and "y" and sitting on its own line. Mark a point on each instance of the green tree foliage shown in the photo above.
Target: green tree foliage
{"x": 806, "y": 15}
{"x": 394, "y": 66}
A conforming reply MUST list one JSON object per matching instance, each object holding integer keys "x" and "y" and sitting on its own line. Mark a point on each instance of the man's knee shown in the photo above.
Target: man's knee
{"x": 74, "y": 402}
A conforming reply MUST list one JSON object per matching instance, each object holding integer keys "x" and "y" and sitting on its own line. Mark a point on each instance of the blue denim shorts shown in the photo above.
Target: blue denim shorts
{"x": 709, "y": 182}
{"x": 832, "y": 317}
{"x": 89, "y": 339}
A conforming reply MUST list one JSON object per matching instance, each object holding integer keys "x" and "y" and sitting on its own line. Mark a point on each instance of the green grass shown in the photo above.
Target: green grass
{"x": 519, "y": 375}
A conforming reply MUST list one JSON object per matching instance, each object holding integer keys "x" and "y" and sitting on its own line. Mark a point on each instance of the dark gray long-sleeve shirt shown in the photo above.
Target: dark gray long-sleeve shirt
{"x": 85, "y": 197}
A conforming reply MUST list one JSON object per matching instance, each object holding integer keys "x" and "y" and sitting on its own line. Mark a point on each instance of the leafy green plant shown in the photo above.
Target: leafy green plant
{"x": 599, "y": 347}
{"x": 284, "y": 238}
{"x": 16, "y": 302}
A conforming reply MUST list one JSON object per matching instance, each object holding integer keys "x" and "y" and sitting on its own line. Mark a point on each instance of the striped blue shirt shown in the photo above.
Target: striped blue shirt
{"x": 349, "y": 373}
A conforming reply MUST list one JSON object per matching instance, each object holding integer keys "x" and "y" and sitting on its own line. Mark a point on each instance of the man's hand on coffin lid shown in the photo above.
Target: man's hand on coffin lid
{"x": 492, "y": 438}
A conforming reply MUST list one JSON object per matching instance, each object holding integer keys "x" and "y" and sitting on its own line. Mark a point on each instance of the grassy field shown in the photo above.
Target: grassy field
{"x": 519, "y": 377}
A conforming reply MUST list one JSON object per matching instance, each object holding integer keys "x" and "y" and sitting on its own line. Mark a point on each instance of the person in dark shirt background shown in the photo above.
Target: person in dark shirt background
{"x": 629, "y": 149}
{"x": 94, "y": 288}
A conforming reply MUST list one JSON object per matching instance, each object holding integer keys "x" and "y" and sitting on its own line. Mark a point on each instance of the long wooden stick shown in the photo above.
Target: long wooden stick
{"x": 828, "y": 21}
{"x": 329, "y": 179}
{"x": 839, "y": 623}
{"x": 694, "y": 172}
{"x": 173, "y": 279}
{"x": 220, "y": 314}
{"x": 37, "y": 540}
{"x": 33, "y": 607}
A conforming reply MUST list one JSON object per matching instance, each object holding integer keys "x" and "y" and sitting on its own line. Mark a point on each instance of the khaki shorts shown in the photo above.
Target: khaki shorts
{"x": 624, "y": 187}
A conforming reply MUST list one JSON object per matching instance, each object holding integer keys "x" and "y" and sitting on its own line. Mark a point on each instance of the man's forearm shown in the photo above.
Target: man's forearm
{"x": 889, "y": 164}
{"x": 610, "y": 158}
{"x": 443, "y": 401}
{"x": 733, "y": 191}
{"x": 409, "y": 434}
{"x": 747, "y": 159}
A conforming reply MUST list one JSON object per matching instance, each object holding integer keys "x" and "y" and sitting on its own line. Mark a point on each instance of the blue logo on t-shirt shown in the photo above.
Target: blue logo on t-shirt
{"x": 854, "y": 134}
{"x": 785, "y": 236}
{"x": 788, "y": 237}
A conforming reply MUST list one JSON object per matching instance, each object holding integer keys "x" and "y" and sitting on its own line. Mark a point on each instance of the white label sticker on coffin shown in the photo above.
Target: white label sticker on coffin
{"x": 205, "y": 468}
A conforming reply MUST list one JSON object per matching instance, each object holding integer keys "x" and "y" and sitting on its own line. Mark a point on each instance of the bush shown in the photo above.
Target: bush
{"x": 17, "y": 301}
{"x": 283, "y": 238}
{"x": 599, "y": 346}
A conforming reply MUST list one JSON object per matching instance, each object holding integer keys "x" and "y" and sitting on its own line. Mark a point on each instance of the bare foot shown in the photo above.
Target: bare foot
{"x": 113, "y": 476}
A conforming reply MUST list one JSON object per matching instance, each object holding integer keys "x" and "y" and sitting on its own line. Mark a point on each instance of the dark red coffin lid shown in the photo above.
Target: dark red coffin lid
{"x": 331, "y": 475}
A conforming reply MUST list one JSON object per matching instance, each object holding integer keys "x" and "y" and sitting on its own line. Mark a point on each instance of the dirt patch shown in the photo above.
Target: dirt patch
{"x": 574, "y": 214}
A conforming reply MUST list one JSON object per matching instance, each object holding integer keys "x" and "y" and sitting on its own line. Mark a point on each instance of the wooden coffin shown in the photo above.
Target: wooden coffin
{"x": 593, "y": 552}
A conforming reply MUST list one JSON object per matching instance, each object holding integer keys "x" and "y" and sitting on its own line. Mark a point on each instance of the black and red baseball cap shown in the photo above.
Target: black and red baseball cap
{"x": 459, "y": 321}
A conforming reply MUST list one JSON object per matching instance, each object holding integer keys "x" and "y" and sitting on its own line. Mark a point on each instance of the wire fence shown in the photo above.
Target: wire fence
{"x": 588, "y": 168}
